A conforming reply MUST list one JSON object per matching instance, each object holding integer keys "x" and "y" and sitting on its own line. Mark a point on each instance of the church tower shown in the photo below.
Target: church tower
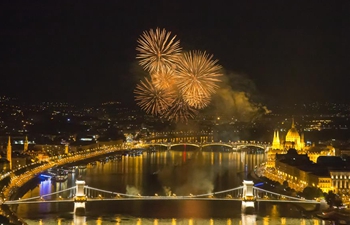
{"x": 25, "y": 144}
{"x": 9, "y": 153}
{"x": 276, "y": 143}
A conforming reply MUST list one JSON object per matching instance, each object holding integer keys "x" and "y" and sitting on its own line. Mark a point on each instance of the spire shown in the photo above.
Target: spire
{"x": 9, "y": 142}
{"x": 9, "y": 153}
{"x": 66, "y": 148}
{"x": 293, "y": 125}
{"x": 276, "y": 140}
{"x": 25, "y": 144}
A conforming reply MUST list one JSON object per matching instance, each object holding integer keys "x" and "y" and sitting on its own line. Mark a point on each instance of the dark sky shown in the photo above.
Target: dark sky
{"x": 85, "y": 50}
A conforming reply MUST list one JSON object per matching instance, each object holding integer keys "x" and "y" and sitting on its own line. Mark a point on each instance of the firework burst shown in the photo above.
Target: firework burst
{"x": 197, "y": 101}
{"x": 179, "y": 84}
{"x": 157, "y": 49}
{"x": 163, "y": 78}
{"x": 197, "y": 76}
{"x": 153, "y": 100}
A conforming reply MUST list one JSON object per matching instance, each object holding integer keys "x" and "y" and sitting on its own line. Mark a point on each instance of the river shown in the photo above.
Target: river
{"x": 179, "y": 172}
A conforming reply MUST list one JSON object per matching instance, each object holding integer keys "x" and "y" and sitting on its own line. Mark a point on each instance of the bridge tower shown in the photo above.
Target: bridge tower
{"x": 248, "y": 198}
{"x": 80, "y": 198}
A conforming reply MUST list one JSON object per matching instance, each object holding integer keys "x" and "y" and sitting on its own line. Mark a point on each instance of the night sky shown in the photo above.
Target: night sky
{"x": 85, "y": 50}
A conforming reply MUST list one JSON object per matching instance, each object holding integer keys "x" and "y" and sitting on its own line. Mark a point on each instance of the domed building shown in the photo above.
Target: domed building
{"x": 292, "y": 140}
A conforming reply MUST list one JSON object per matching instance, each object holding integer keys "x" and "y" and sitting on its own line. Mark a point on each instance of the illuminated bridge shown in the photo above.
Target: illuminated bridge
{"x": 80, "y": 194}
{"x": 234, "y": 146}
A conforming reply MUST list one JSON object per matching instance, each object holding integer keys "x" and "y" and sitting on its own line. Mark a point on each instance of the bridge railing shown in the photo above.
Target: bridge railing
{"x": 96, "y": 194}
{"x": 57, "y": 195}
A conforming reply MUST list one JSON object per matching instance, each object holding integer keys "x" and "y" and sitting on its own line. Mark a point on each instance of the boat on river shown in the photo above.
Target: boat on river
{"x": 61, "y": 176}
{"x": 340, "y": 215}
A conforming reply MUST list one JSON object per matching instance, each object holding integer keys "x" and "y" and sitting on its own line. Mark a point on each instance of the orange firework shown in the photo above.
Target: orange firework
{"x": 153, "y": 100}
{"x": 157, "y": 49}
{"x": 197, "y": 76}
{"x": 197, "y": 101}
{"x": 163, "y": 78}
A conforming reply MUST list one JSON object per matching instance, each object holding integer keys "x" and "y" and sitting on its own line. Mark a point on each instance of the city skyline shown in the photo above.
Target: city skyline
{"x": 276, "y": 53}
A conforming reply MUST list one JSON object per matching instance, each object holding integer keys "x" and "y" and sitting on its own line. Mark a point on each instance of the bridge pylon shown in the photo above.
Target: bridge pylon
{"x": 80, "y": 198}
{"x": 248, "y": 198}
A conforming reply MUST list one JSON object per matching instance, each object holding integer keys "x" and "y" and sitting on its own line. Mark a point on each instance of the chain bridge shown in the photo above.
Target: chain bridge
{"x": 80, "y": 194}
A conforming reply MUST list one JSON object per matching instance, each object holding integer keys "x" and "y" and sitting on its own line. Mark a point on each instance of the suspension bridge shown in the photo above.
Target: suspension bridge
{"x": 80, "y": 194}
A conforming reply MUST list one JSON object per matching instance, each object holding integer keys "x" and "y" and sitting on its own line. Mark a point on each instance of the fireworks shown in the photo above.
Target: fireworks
{"x": 180, "y": 111}
{"x": 163, "y": 78}
{"x": 157, "y": 49}
{"x": 151, "y": 99}
{"x": 197, "y": 76}
{"x": 179, "y": 84}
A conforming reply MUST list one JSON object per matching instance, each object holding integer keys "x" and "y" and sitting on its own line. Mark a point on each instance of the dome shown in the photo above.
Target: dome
{"x": 292, "y": 134}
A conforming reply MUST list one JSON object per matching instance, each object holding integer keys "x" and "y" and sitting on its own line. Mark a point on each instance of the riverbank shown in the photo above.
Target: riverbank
{"x": 267, "y": 184}
{"x": 10, "y": 191}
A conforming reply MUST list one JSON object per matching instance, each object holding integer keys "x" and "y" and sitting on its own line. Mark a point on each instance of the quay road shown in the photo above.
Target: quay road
{"x": 19, "y": 180}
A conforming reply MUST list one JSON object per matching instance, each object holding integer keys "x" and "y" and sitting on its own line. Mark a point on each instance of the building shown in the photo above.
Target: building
{"x": 295, "y": 141}
{"x": 329, "y": 173}
{"x": 292, "y": 140}
{"x": 300, "y": 172}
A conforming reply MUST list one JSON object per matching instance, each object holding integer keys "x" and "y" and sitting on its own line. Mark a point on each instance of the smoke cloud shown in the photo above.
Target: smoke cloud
{"x": 193, "y": 177}
{"x": 132, "y": 190}
{"x": 237, "y": 98}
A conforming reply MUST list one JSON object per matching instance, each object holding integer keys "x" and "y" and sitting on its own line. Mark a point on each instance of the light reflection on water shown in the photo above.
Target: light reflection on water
{"x": 244, "y": 220}
{"x": 180, "y": 172}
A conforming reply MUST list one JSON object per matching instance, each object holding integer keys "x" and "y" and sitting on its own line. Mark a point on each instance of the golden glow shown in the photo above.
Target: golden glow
{"x": 266, "y": 221}
{"x": 283, "y": 221}
{"x": 173, "y": 221}
{"x": 211, "y": 222}
{"x": 99, "y": 221}
{"x": 229, "y": 222}
{"x": 155, "y": 222}
{"x": 190, "y": 221}
{"x": 118, "y": 220}
{"x": 212, "y": 157}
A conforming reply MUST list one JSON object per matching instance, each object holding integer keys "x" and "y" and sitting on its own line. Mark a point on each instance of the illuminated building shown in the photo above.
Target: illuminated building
{"x": 292, "y": 140}
{"x": 295, "y": 141}
{"x": 341, "y": 181}
{"x": 300, "y": 172}
{"x": 316, "y": 151}
{"x": 330, "y": 173}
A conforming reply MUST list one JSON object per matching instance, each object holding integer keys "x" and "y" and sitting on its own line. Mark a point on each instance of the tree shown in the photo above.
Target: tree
{"x": 312, "y": 192}
{"x": 332, "y": 199}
